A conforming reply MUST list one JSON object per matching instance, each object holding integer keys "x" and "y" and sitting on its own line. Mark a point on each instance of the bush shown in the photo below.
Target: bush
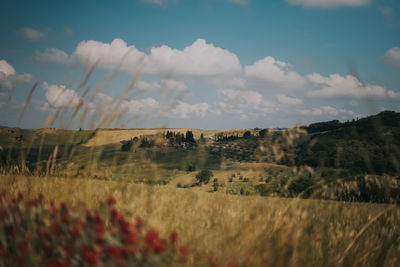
{"x": 35, "y": 234}
{"x": 204, "y": 176}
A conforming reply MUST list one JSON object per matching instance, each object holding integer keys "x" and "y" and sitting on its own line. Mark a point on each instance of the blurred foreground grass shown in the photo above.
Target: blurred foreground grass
{"x": 253, "y": 230}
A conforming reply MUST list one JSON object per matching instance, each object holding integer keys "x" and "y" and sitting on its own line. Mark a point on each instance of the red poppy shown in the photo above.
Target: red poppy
{"x": 158, "y": 247}
{"x": 151, "y": 237}
{"x": 91, "y": 257}
{"x": 111, "y": 200}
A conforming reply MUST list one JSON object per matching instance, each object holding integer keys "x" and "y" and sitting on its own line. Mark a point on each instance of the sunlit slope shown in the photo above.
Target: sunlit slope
{"x": 110, "y": 136}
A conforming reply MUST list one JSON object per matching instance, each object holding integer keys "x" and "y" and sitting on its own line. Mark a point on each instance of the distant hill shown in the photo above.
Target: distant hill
{"x": 369, "y": 145}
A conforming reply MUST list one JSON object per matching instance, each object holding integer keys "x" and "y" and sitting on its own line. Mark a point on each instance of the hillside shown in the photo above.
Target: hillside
{"x": 368, "y": 145}
{"x": 112, "y": 136}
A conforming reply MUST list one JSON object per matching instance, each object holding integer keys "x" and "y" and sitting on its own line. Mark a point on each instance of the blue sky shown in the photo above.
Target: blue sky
{"x": 217, "y": 64}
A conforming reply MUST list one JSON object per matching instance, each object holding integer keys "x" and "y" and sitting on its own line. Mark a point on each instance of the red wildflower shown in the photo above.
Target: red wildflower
{"x": 184, "y": 250}
{"x": 63, "y": 208}
{"x": 40, "y": 198}
{"x": 113, "y": 213}
{"x": 131, "y": 239}
{"x": 76, "y": 232}
{"x": 113, "y": 251}
{"x": 56, "y": 228}
{"x": 66, "y": 218}
{"x": 3, "y": 251}
{"x": 48, "y": 246}
{"x": 91, "y": 257}
{"x": 53, "y": 209}
{"x": 151, "y": 237}
{"x": 173, "y": 237}
{"x": 158, "y": 247}
{"x": 99, "y": 236}
{"x": 111, "y": 200}
{"x": 43, "y": 233}
{"x": 139, "y": 223}
{"x": 23, "y": 247}
{"x": 100, "y": 228}
{"x": 127, "y": 228}
{"x": 69, "y": 249}
{"x": 97, "y": 218}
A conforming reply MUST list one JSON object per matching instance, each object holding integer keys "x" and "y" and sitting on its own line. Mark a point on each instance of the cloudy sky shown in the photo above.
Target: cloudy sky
{"x": 216, "y": 64}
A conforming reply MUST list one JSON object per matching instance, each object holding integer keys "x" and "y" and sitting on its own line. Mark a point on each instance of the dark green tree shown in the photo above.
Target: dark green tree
{"x": 204, "y": 176}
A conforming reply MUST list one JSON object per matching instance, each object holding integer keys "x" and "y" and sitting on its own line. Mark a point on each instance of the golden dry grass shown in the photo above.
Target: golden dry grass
{"x": 257, "y": 230}
{"x": 106, "y": 137}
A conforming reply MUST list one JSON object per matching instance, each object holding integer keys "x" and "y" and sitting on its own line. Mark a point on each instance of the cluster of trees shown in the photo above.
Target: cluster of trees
{"x": 136, "y": 142}
{"x": 180, "y": 138}
{"x": 147, "y": 142}
{"x": 368, "y": 145}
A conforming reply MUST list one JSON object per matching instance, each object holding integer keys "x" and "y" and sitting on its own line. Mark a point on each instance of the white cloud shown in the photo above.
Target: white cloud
{"x": 45, "y": 107}
{"x": 175, "y": 85}
{"x": 243, "y": 103}
{"x": 275, "y": 72}
{"x": 8, "y": 76}
{"x": 116, "y": 55}
{"x": 140, "y": 106}
{"x": 392, "y": 56}
{"x": 31, "y": 34}
{"x": 145, "y": 86}
{"x": 6, "y": 68}
{"x": 331, "y": 111}
{"x": 336, "y": 86}
{"x": 183, "y": 109}
{"x": 228, "y": 82}
{"x": 60, "y": 96}
{"x": 283, "y": 99}
{"x": 328, "y": 3}
{"x": 198, "y": 59}
{"x": 52, "y": 55}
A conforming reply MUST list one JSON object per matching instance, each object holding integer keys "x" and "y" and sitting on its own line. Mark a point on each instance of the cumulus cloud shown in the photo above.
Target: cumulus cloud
{"x": 31, "y": 34}
{"x": 243, "y": 103}
{"x": 392, "y": 56}
{"x": 140, "y": 106}
{"x": 328, "y": 3}
{"x": 175, "y": 85}
{"x": 60, "y": 96}
{"x": 275, "y": 72}
{"x": 183, "y": 109}
{"x": 51, "y": 55}
{"x": 114, "y": 55}
{"x": 8, "y": 76}
{"x": 198, "y": 59}
{"x": 286, "y": 100}
{"x": 336, "y": 86}
{"x": 145, "y": 86}
{"x": 6, "y": 68}
{"x": 331, "y": 111}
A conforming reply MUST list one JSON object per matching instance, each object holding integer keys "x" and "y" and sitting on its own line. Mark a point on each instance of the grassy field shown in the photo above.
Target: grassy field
{"x": 252, "y": 230}
{"x": 105, "y": 137}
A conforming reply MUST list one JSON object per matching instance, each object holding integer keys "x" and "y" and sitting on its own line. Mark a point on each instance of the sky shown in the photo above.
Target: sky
{"x": 210, "y": 64}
